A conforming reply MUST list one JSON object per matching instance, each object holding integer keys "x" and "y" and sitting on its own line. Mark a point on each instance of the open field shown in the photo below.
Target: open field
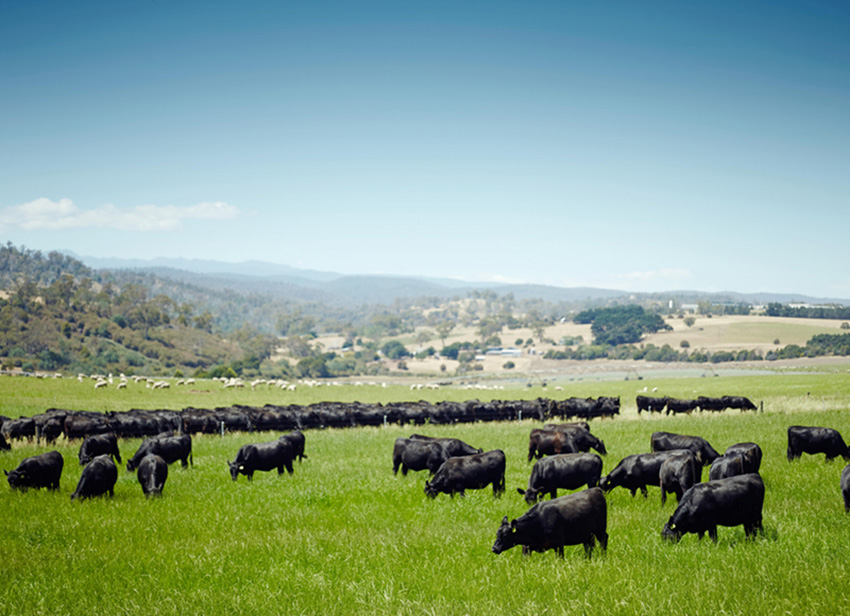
{"x": 344, "y": 536}
{"x": 718, "y": 333}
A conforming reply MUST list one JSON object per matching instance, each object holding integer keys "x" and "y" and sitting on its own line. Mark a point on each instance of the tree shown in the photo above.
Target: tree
{"x": 443, "y": 329}
{"x": 393, "y": 349}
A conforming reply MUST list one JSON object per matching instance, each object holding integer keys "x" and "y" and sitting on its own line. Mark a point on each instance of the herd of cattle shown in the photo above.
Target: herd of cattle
{"x": 99, "y": 453}
{"x": 702, "y": 403}
{"x": 138, "y": 423}
{"x": 733, "y": 496}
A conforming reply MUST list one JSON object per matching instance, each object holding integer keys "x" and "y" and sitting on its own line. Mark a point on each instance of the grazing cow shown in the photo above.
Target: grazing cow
{"x": 726, "y": 466}
{"x": 416, "y": 455}
{"x": 474, "y": 472}
{"x": 582, "y": 439}
{"x": 568, "y": 471}
{"x": 675, "y": 406}
{"x": 724, "y": 502}
{"x": 705, "y": 403}
{"x": 152, "y": 473}
{"x": 739, "y": 402}
{"x": 454, "y": 446}
{"x": 262, "y": 457}
{"x": 573, "y": 519}
{"x": 650, "y": 404}
{"x": 98, "y": 444}
{"x": 170, "y": 448}
{"x": 845, "y": 488}
{"x": 636, "y": 472}
{"x": 98, "y": 478}
{"x": 42, "y": 471}
{"x": 550, "y": 442}
{"x": 297, "y": 440}
{"x": 805, "y": 439}
{"x": 678, "y": 473}
{"x": 666, "y": 441}
{"x": 750, "y": 455}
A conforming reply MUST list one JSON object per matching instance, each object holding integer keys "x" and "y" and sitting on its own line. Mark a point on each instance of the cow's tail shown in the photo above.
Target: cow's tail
{"x": 191, "y": 458}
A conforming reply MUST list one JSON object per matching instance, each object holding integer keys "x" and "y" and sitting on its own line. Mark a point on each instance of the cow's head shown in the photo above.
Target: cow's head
{"x": 430, "y": 490}
{"x": 17, "y": 479}
{"x": 504, "y": 536}
{"x": 670, "y": 532}
{"x": 530, "y": 495}
{"x": 606, "y": 484}
{"x": 600, "y": 447}
{"x": 235, "y": 469}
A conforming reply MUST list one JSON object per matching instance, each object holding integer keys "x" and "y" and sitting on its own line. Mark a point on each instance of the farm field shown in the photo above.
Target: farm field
{"x": 342, "y": 535}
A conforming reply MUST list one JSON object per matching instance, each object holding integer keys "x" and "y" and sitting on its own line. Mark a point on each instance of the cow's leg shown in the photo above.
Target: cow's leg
{"x": 289, "y": 467}
{"x": 712, "y": 532}
{"x": 553, "y": 493}
{"x": 644, "y": 491}
{"x": 663, "y": 495}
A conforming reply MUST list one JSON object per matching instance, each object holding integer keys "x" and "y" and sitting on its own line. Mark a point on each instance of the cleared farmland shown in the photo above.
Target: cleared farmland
{"x": 343, "y": 535}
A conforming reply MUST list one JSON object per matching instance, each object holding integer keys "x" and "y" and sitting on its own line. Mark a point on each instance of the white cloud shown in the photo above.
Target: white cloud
{"x": 44, "y": 214}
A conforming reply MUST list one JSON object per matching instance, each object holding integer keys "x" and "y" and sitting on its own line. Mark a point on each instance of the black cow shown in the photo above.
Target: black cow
{"x": 550, "y": 442}
{"x": 98, "y": 478}
{"x": 739, "y": 402}
{"x": 677, "y": 474}
{"x": 42, "y": 471}
{"x": 262, "y": 457}
{"x": 675, "y": 406}
{"x": 454, "y": 446}
{"x": 417, "y": 455}
{"x": 297, "y": 440}
{"x": 650, "y": 404}
{"x": 98, "y": 444}
{"x": 568, "y": 471}
{"x": 636, "y": 472}
{"x": 724, "y": 502}
{"x": 23, "y": 427}
{"x": 474, "y": 472}
{"x": 845, "y": 488}
{"x": 750, "y": 455}
{"x": 705, "y": 403}
{"x": 580, "y": 518}
{"x": 170, "y": 448}
{"x": 805, "y": 439}
{"x": 152, "y": 473}
{"x": 726, "y": 466}
{"x": 666, "y": 441}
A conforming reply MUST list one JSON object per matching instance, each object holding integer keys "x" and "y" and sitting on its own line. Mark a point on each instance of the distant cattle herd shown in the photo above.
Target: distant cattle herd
{"x": 733, "y": 495}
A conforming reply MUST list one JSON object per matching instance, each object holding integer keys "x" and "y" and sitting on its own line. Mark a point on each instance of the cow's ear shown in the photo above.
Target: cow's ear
{"x": 521, "y": 491}
{"x": 505, "y": 520}
{"x": 5, "y": 471}
{"x": 513, "y": 524}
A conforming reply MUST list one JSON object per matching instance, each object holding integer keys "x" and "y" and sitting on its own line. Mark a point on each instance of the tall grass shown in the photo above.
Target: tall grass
{"x": 344, "y": 536}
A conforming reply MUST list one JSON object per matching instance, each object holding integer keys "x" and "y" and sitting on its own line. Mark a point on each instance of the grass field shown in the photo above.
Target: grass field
{"x": 345, "y": 536}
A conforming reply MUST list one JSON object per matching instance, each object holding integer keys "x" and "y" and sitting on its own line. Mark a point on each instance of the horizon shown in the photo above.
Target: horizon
{"x": 639, "y": 148}
{"x": 173, "y": 263}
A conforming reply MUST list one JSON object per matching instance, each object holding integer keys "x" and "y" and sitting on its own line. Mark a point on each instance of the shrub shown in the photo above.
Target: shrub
{"x": 508, "y": 365}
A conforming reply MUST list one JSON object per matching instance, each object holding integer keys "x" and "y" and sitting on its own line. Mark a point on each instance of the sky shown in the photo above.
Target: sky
{"x": 642, "y": 146}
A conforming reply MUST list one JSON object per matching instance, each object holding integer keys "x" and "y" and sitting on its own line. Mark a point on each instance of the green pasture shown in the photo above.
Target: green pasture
{"x": 344, "y": 536}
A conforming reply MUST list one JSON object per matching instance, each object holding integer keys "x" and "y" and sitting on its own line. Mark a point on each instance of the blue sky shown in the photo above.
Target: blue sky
{"x": 643, "y": 146}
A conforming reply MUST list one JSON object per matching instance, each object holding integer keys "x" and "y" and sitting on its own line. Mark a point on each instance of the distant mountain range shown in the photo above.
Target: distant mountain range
{"x": 307, "y": 285}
